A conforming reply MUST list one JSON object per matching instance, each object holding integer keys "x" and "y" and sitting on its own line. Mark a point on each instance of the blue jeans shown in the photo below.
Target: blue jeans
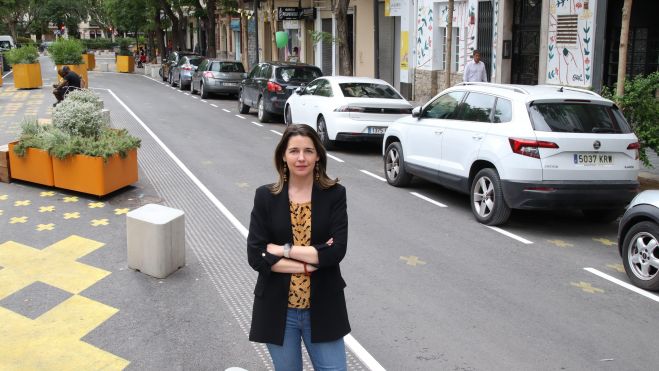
{"x": 330, "y": 356}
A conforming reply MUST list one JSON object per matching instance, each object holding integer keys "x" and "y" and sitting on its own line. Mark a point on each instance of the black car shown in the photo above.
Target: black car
{"x": 172, "y": 61}
{"x": 269, "y": 85}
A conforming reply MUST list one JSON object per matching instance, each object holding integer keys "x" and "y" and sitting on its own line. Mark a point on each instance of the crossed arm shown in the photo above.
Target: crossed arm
{"x": 299, "y": 255}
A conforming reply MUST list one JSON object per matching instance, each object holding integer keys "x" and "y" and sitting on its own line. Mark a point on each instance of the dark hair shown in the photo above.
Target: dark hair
{"x": 66, "y": 69}
{"x": 304, "y": 130}
{"x": 475, "y": 52}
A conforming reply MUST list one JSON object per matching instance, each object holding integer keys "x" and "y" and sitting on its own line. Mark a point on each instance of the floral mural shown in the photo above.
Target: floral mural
{"x": 495, "y": 39}
{"x": 424, "y": 21}
{"x": 569, "y": 58}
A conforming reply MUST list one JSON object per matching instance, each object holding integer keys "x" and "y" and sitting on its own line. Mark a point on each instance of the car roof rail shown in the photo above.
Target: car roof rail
{"x": 563, "y": 88}
{"x": 516, "y": 89}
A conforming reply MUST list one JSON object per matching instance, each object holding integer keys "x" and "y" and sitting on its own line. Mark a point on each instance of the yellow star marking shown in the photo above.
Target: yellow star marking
{"x": 3, "y": 197}
{"x": 74, "y": 215}
{"x": 47, "y": 194}
{"x": 23, "y": 340}
{"x": 44, "y": 209}
{"x": 71, "y": 199}
{"x": 121, "y": 211}
{"x": 605, "y": 241}
{"x": 412, "y": 260}
{"x": 616, "y": 267}
{"x": 23, "y": 203}
{"x": 14, "y": 220}
{"x": 242, "y": 185}
{"x": 1, "y": 212}
{"x": 94, "y": 205}
{"x": 560, "y": 243}
{"x": 97, "y": 222}
{"x": 45, "y": 227}
{"x": 587, "y": 287}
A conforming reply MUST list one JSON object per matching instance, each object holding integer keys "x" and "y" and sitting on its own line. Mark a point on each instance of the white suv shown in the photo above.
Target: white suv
{"x": 519, "y": 147}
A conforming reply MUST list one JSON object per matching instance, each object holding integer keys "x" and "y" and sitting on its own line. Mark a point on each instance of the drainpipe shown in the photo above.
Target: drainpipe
{"x": 376, "y": 38}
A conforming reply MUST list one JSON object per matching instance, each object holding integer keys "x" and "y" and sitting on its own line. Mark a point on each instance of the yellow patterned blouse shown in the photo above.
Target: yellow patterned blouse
{"x": 299, "y": 292}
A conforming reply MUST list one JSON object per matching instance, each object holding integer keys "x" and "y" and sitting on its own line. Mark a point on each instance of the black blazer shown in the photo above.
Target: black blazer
{"x": 271, "y": 223}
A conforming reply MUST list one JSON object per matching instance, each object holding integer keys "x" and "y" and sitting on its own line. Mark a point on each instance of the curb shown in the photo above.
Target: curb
{"x": 648, "y": 180}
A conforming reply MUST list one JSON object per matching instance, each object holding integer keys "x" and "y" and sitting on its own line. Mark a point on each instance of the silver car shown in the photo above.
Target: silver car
{"x": 217, "y": 76}
{"x": 182, "y": 73}
{"x": 638, "y": 240}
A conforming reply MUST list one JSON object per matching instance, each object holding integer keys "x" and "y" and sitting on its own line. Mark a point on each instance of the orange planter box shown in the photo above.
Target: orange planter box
{"x": 36, "y": 166}
{"x": 80, "y": 69}
{"x": 90, "y": 61}
{"x": 27, "y": 76}
{"x": 93, "y": 175}
{"x": 125, "y": 63}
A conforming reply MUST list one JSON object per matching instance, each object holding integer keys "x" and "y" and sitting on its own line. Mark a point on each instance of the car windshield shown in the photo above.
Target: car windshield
{"x": 368, "y": 90}
{"x": 227, "y": 67}
{"x": 196, "y": 61}
{"x": 578, "y": 118}
{"x": 5, "y": 44}
{"x": 287, "y": 74}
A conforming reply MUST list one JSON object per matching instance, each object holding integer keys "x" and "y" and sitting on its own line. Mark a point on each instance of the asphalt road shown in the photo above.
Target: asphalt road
{"x": 475, "y": 299}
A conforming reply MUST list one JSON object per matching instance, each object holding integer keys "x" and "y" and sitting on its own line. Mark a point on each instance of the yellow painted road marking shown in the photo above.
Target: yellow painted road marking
{"x": 94, "y": 205}
{"x": 1, "y": 212}
{"x": 45, "y": 209}
{"x": 560, "y": 243}
{"x": 21, "y": 219}
{"x": 121, "y": 211}
{"x": 74, "y": 215}
{"x": 97, "y": 222}
{"x": 412, "y": 260}
{"x": 605, "y": 241}
{"x": 71, "y": 199}
{"x": 23, "y": 203}
{"x": 3, "y": 197}
{"x": 587, "y": 287}
{"x": 45, "y": 227}
{"x": 47, "y": 194}
{"x": 616, "y": 267}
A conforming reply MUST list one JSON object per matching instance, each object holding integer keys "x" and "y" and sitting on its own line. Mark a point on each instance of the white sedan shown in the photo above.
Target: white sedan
{"x": 344, "y": 108}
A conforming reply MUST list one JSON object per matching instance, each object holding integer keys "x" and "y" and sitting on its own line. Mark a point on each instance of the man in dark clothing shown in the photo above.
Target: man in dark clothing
{"x": 70, "y": 81}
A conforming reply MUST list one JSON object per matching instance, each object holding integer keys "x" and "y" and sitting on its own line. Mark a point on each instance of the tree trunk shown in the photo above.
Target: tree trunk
{"x": 151, "y": 47}
{"x": 622, "y": 52}
{"x": 273, "y": 30}
{"x": 160, "y": 35}
{"x": 211, "y": 47}
{"x": 449, "y": 44}
{"x": 175, "y": 23}
{"x": 345, "y": 59}
{"x": 181, "y": 30}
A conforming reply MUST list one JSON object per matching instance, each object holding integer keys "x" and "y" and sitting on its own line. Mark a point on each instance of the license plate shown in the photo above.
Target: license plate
{"x": 229, "y": 84}
{"x": 593, "y": 159}
{"x": 376, "y": 130}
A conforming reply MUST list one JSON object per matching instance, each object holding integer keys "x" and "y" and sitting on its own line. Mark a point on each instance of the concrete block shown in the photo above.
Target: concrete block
{"x": 155, "y": 71}
{"x": 106, "y": 116}
{"x": 156, "y": 240}
{"x": 4, "y": 164}
{"x": 147, "y": 69}
{"x": 103, "y": 67}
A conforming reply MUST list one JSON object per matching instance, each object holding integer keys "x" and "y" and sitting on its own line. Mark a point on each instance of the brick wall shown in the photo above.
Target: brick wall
{"x": 429, "y": 83}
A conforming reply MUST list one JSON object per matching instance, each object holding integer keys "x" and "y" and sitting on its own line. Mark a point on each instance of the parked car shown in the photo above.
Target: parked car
{"x": 181, "y": 74}
{"x": 171, "y": 62}
{"x": 345, "y": 108}
{"x": 638, "y": 240}
{"x": 217, "y": 76}
{"x": 269, "y": 85}
{"x": 519, "y": 147}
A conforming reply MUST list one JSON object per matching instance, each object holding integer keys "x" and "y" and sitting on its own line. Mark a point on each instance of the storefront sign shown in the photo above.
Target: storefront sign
{"x": 295, "y": 13}
{"x": 291, "y": 24}
{"x": 235, "y": 24}
{"x": 393, "y": 8}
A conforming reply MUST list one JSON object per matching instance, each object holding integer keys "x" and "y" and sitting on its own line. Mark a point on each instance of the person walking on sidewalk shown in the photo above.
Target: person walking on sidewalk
{"x": 298, "y": 235}
{"x": 475, "y": 69}
{"x": 70, "y": 80}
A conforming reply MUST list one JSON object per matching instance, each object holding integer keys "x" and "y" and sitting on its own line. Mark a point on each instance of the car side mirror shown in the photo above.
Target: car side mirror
{"x": 299, "y": 90}
{"x": 244, "y": 75}
{"x": 416, "y": 112}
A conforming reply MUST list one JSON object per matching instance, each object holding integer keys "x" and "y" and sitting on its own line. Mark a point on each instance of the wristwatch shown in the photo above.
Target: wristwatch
{"x": 287, "y": 250}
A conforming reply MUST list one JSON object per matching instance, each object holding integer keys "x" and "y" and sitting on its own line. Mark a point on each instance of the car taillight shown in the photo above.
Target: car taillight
{"x": 208, "y": 74}
{"x": 274, "y": 87}
{"x": 186, "y": 67}
{"x": 527, "y": 147}
{"x": 350, "y": 109}
{"x": 635, "y": 146}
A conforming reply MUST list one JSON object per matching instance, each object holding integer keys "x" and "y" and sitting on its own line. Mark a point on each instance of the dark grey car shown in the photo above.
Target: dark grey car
{"x": 171, "y": 62}
{"x": 217, "y": 76}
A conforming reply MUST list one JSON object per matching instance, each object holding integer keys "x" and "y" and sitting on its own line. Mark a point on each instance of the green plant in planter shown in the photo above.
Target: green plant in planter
{"x": 124, "y": 45}
{"x": 27, "y": 54}
{"x": 66, "y": 51}
{"x": 85, "y": 96}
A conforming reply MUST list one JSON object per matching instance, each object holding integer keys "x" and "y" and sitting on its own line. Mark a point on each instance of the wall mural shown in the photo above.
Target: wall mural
{"x": 569, "y": 58}
{"x": 495, "y": 39}
{"x": 424, "y": 25}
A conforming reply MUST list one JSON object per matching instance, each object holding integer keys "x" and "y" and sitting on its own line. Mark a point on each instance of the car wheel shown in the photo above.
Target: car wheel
{"x": 394, "y": 166}
{"x": 192, "y": 89}
{"x": 181, "y": 86}
{"x": 602, "y": 216}
{"x": 202, "y": 91}
{"x": 321, "y": 128}
{"x": 263, "y": 115}
{"x": 487, "y": 201}
{"x": 162, "y": 75}
{"x": 640, "y": 255}
{"x": 242, "y": 107}
{"x": 288, "y": 118}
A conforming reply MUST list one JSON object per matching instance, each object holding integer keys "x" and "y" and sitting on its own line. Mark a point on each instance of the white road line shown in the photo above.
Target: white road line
{"x": 623, "y": 284}
{"x": 187, "y": 93}
{"x": 362, "y": 354}
{"x": 373, "y": 175}
{"x": 335, "y": 158}
{"x": 428, "y": 199}
{"x": 226, "y": 110}
{"x": 240, "y": 117}
{"x": 213, "y": 105}
{"x": 513, "y": 236}
{"x": 7, "y": 74}
{"x": 204, "y": 101}
{"x": 256, "y": 123}
{"x": 276, "y": 132}
{"x": 193, "y": 97}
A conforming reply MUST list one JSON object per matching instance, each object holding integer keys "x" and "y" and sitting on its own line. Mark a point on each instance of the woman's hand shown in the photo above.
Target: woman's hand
{"x": 330, "y": 241}
{"x": 275, "y": 249}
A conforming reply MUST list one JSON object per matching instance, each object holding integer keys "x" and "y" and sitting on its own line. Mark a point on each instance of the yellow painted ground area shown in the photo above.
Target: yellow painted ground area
{"x": 52, "y": 341}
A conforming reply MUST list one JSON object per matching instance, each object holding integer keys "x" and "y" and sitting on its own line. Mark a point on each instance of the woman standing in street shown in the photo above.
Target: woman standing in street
{"x": 298, "y": 234}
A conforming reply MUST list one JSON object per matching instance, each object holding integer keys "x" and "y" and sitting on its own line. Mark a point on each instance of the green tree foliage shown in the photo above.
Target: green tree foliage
{"x": 127, "y": 15}
{"x": 66, "y": 51}
{"x": 26, "y": 54}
